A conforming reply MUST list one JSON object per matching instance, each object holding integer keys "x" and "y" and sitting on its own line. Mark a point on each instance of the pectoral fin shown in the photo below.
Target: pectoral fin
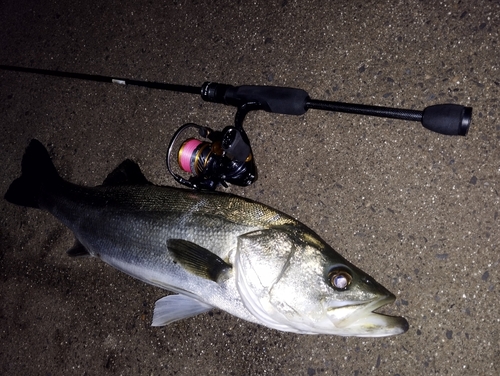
{"x": 177, "y": 307}
{"x": 198, "y": 260}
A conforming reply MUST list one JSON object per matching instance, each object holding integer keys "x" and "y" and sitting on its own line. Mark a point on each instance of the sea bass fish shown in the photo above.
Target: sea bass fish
{"x": 214, "y": 250}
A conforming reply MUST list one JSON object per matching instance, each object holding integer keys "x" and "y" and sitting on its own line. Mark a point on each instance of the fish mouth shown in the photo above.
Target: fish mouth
{"x": 363, "y": 321}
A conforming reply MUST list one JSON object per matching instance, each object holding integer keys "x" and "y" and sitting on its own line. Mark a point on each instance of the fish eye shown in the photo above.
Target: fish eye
{"x": 339, "y": 278}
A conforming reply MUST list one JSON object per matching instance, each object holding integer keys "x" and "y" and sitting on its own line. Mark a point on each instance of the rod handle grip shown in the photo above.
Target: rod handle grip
{"x": 278, "y": 100}
{"x": 449, "y": 119}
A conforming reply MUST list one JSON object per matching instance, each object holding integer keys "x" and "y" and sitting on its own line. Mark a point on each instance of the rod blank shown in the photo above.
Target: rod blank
{"x": 113, "y": 80}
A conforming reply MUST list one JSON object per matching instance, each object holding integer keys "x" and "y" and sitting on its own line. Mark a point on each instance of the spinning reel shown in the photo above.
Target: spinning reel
{"x": 226, "y": 156}
{"x": 226, "y": 159}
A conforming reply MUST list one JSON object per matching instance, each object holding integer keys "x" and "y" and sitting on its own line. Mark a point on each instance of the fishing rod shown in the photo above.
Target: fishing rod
{"x": 227, "y": 156}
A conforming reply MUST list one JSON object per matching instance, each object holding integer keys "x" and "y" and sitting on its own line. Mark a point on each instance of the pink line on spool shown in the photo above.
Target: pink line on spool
{"x": 186, "y": 152}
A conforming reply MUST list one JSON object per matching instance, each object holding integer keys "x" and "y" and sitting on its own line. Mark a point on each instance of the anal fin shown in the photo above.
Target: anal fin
{"x": 173, "y": 308}
{"x": 78, "y": 250}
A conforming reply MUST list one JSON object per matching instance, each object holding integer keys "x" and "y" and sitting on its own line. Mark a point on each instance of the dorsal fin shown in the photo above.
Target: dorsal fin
{"x": 127, "y": 173}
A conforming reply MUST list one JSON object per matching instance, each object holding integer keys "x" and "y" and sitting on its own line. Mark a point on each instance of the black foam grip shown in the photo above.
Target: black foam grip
{"x": 450, "y": 119}
{"x": 279, "y": 100}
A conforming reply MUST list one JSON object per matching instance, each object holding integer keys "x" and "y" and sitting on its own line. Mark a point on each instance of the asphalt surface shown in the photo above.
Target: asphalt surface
{"x": 417, "y": 210}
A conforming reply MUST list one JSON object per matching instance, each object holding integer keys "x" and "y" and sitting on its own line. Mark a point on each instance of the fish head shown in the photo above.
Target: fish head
{"x": 290, "y": 280}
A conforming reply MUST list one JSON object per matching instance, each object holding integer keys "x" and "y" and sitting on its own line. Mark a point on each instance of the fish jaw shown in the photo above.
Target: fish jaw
{"x": 361, "y": 320}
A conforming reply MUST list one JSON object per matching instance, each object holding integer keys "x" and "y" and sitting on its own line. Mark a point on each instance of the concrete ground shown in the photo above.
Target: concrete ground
{"x": 417, "y": 210}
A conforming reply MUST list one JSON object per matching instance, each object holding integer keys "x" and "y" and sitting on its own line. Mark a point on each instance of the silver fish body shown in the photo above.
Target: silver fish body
{"x": 212, "y": 249}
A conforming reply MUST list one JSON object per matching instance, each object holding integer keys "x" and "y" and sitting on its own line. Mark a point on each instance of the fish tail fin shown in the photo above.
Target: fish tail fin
{"x": 38, "y": 171}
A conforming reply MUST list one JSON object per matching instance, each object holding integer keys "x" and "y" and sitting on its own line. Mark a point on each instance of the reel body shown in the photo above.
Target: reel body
{"x": 224, "y": 157}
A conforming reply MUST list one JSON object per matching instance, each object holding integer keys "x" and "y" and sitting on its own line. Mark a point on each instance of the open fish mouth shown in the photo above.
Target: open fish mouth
{"x": 362, "y": 319}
